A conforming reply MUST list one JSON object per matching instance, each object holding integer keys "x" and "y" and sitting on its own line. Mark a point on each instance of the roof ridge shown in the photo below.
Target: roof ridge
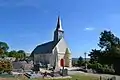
{"x": 46, "y": 43}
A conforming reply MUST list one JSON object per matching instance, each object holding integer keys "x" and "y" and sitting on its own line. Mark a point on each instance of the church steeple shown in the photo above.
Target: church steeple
{"x": 59, "y": 25}
{"x": 59, "y": 32}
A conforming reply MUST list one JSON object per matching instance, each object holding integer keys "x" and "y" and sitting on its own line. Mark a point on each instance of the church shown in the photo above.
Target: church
{"x": 56, "y": 52}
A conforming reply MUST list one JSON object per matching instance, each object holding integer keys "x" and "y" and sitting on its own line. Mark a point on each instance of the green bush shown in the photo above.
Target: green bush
{"x": 5, "y": 66}
{"x": 89, "y": 65}
{"x": 99, "y": 68}
{"x": 85, "y": 62}
{"x": 108, "y": 70}
{"x": 94, "y": 66}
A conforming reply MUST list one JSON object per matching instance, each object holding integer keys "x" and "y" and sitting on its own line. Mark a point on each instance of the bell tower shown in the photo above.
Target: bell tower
{"x": 59, "y": 32}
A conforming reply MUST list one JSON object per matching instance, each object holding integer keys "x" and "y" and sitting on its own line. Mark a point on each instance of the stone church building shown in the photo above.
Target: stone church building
{"x": 54, "y": 52}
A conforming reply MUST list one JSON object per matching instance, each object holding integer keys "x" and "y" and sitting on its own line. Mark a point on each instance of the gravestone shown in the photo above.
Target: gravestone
{"x": 64, "y": 72}
{"x": 36, "y": 68}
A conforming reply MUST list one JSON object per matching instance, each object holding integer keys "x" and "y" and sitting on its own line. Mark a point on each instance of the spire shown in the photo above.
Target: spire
{"x": 59, "y": 32}
{"x": 59, "y": 25}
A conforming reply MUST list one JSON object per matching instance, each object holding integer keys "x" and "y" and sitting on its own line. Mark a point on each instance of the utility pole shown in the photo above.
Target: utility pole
{"x": 85, "y": 61}
{"x": 33, "y": 59}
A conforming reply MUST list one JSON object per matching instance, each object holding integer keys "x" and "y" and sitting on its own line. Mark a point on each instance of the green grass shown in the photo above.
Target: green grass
{"x": 6, "y": 76}
{"x": 74, "y": 77}
{"x": 83, "y": 77}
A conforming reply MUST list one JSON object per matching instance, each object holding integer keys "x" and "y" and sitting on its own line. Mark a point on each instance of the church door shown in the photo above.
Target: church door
{"x": 62, "y": 62}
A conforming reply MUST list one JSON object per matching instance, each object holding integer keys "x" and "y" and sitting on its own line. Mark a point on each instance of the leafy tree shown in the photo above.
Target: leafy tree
{"x": 3, "y": 48}
{"x": 111, "y": 44}
{"x": 109, "y": 52}
{"x": 95, "y": 55}
{"x": 1, "y": 51}
{"x": 80, "y": 61}
{"x": 17, "y": 54}
{"x": 21, "y": 51}
{"x": 12, "y": 53}
{"x": 22, "y": 54}
{"x": 108, "y": 41}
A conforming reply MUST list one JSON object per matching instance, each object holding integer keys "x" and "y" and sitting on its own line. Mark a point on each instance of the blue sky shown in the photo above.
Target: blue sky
{"x": 26, "y": 23}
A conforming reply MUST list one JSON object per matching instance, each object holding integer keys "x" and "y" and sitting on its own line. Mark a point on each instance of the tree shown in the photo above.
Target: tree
{"x": 108, "y": 41}
{"x": 3, "y": 48}
{"x": 1, "y": 51}
{"x": 22, "y": 54}
{"x": 13, "y": 53}
{"x": 96, "y": 56}
{"x": 17, "y": 54}
{"x": 111, "y": 45}
{"x": 80, "y": 61}
{"x": 109, "y": 52}
{"x": 21, "y": 51}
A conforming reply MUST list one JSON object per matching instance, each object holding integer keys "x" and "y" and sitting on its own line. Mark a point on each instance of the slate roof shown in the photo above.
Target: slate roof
{"x": 44, "y": 48}
{"x": 48, "y": 47}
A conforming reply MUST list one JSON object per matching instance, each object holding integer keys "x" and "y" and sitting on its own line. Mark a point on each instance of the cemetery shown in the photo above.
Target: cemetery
{"x": 53, "y": 60}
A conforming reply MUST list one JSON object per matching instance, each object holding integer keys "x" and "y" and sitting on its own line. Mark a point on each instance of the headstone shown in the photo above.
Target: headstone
{"x": 113, "y": 78}
{"x": 64, "y": 72}
{"x": 36, "y": 68}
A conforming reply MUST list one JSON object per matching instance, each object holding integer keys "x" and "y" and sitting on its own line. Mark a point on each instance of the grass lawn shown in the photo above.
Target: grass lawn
{"x": 83, "y": 77}
{"x": 74, "y": 77}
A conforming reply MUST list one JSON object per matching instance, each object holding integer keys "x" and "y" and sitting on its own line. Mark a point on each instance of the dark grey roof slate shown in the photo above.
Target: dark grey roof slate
{"x": 44, "y": 48}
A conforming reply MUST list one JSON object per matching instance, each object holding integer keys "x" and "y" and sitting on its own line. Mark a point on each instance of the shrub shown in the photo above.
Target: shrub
{"x": 85, "y": 62}
{"x": 99, "y": 68}
{"x": 89, "y": 65}
{"x": 108, "y": 70}
{"x": 5, "y": 66}
{"x": 8, "y": 66}
{"x": 93, "y": 66}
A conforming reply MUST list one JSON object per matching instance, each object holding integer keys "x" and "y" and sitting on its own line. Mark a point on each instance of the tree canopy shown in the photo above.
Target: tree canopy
{"x": 80, "y": 61}
{"x": 4, "y": 46}
{"x": 95, "y": 55}
{"x": 17, "y": 54}
{"x": 109, "y": 52}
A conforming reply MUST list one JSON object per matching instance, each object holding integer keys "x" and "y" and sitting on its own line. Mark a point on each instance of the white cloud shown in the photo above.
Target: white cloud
{"x": 89, "y": 29}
